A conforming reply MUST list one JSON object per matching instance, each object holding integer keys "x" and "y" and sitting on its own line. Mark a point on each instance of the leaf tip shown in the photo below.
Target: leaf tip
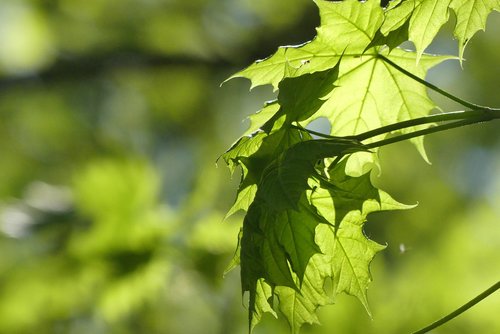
{"x": 461, "y": 58}
{"x": 230, "y": 78}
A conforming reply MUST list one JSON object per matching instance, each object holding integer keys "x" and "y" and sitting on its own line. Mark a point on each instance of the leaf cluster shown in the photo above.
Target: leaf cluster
{"x": 307, "y": 199}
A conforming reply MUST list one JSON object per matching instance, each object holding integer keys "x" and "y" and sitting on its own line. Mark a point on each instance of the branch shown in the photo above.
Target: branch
{"x": 319, "y": 134}
{"x": 449, "y": 116}
{"x": 460, "y": 310}
{"x": 427, "y": 131}
{"x": 466, "y": 117}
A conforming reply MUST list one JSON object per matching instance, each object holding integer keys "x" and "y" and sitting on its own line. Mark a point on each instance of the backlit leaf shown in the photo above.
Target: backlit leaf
{"x": 426, "y": 17}
{"x": 346, "y": 29}
{"x": 307, "y": 199}
{"x": 471, "y": 17}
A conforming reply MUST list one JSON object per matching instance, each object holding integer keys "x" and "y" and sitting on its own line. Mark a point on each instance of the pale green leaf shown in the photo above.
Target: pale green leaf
{"x": 235, "y": 261}
{"x": 370, "y": 93}
{"x": 345, "y": 248}
{"x": 393, "y": 38}
{"x": 471, "y": 17}
{"x": 300, "y": 307}
{"x": 427, "y": 19}
{"x": 397, "y": 15}
{"x": 258, "y": 119}
{"x": 245, "y": 195}
{"x": 304, "y": 222}
{"x": 262, "y": 303}
{"x": 285, "y": 180}
{"x": 243, "y": 148}
{"x": 347, "y": 28}
{"x": 340, "y": 252}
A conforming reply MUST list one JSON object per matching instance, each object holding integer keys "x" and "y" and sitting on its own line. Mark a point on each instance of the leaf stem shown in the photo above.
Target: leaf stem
{"x": 422, "y": 132}
{"x": 319, "y": 134}
{"x": 431, "y": 86}
{"x": 449, "y": 116}
{"x": 466, "y": 117}
{"x": 461, "y": 309}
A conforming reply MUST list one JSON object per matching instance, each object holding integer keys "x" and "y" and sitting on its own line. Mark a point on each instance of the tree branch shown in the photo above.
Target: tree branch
{"x": 460, "y": 310}
{"x": 466, "y": 117}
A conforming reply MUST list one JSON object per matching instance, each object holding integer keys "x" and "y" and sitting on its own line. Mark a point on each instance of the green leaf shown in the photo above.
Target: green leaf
{"x": 426, "y": 17}
{"x": 346, "y": 203}
{"x": 243, "y": 148}
{"x": 274, "y": 242}
{"x": 301, "y": 97}
{"x": 296, "y": 251}
{"x": 262, "y": 302}
{"x": 239, "y": 151}
{"x": 471, "y": 17}
{"x": 279, "y": 228}
{"x": 235, "y": 261}
{"x": 393, "y": 39}
{"x": 300, "y": 307}
{"x": 246, "y": 192}
{"x": 258, "y": 119}
{"x": 253, "y": 153}
{"x": 370, "y": 93}
{"x": 305, "y": 210}
{"x": 285, "y": 180}
{"x": 347, "y": 28}
{"x": 396, "y": 16}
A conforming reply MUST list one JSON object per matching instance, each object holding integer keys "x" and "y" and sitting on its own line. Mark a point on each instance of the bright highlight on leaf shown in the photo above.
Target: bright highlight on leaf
{"x": 371, "y": 94}
{"x": 306, "y": 200}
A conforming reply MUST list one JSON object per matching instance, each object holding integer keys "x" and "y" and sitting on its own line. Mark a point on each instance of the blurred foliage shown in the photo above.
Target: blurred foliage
{"x": 111, "y": 204}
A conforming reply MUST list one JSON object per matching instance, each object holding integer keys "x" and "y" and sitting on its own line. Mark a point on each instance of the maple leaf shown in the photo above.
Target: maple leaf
{"x": 308, "y": 199}
{"x": 278, "y": 234}
{"x": 368, "y": 93}
{"x": 347, "y": 28}
{"x": 396, "y": 15}
{"x": 253, "y": 153}
{"x": 274, "y": 245}
{"x": 293, "y": 251}
{"x": 299, "y": 98}
{"x": 278, "y": 231}
{"x": 345, "y": 251}
{"x": 261, "y": 117}
{"x": 471, "y": 17}
{"x": 426, "y": 17}
{"x": 279, "y": 163}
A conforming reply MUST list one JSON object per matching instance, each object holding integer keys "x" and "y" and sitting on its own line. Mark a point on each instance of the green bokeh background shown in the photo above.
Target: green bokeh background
{"x": 112, "y": 204}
